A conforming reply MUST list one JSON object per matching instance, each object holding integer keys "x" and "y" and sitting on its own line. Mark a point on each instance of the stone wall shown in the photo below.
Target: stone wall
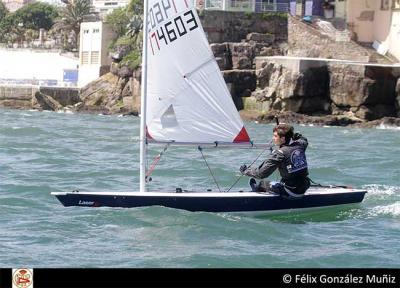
{"x": 66, "y": 96}
{"x": 19, "y": 97}
{"x": 42, "y": 98}
{"x": 223, "y": 26}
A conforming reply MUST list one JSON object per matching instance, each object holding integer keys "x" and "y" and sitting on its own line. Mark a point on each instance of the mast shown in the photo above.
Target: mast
{"x": 143, "y": 99}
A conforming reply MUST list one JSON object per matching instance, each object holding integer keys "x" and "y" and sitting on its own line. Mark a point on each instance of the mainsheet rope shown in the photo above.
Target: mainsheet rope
{"x": 259, "y": 155}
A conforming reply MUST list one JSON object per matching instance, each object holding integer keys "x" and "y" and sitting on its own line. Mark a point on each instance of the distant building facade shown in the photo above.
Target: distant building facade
{"x": 244, "y": 5}
{"x": 104, "y": 7}
{"x": 14, "y": 5}
{"x": 376, "y": 21}
{"x": 93, "y": 55}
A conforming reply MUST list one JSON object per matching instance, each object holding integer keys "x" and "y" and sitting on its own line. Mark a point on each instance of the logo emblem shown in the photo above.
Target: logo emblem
{"x": 22, "y": 278}
{"x": 298, "y": 159}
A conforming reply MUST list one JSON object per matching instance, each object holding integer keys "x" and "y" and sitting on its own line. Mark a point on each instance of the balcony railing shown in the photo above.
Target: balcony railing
{"x": 246, "y": 5}
{"x": 275, "y": 7}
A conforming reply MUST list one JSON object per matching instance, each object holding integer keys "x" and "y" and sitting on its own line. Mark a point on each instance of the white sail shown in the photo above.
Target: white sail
{"x": 187, "y": 98}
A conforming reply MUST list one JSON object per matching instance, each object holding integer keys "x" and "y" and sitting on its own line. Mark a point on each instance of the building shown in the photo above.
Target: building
{"x": 37, "y": 67}
{"x": 14, "y": 5}
{"x": 244, "y": 5}
{"x": 93, "y": 55}
{"x": 104, "y": 7}
{"x": 376, "y": 21}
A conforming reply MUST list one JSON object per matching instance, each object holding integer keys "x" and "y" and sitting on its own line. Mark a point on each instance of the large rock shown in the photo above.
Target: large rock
{"x": 286, "y": 90}
{"x": 240, "y": 83}
{"x": 242, "y": 55}
{"x": 107, "y": 95}
{"x": 367, "y": 91}
{"x": 243, "y": 81}
{"x": 265, "y": 38}
{"x": 45, "y": 102}
{"x": 222, "y": 54}
{"x": 65, "y": 96}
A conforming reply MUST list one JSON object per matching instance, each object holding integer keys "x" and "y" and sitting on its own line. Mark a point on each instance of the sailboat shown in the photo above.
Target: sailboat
{"x": 185, "y": 101}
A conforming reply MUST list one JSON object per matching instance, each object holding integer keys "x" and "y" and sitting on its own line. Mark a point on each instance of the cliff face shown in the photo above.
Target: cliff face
{"x": 241, "y": 44}
{"x": 362, "y": 92}
{"x": 110, "y": 94}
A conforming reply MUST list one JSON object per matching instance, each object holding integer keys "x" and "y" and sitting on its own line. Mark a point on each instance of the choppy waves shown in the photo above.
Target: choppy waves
{"x": 44, "y": 152}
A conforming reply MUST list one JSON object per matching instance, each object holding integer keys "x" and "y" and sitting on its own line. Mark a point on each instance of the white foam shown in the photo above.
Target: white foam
{"x": 392, "y": 210}
{"x": 375, "y": 189}
{"x": 387, "y": 127}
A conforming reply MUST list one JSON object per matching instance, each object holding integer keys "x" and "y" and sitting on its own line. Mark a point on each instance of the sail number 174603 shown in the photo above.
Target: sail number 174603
{"x": 172, "y": 30}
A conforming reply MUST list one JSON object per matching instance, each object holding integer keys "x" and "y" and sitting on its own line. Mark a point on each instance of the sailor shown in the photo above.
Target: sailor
{"x": 289, "y": 158}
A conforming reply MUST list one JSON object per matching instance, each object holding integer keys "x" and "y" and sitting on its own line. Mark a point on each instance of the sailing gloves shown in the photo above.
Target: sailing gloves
{"x": 243, "y": 168}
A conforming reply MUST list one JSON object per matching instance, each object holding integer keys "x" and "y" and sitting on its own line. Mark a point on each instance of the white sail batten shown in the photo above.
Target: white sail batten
{"x": 187, "y": 98}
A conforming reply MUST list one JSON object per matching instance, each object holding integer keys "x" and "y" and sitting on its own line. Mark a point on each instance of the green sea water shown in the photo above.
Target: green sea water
{"x": 42, "y": 152}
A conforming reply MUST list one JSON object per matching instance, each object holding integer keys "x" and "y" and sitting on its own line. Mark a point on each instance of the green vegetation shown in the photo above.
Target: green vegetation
{"x": 33, "y": 16}
{"x": 119, "y": 20}
{"x": 24, "y": 24}
{"x": 3, "y": 11}
{"x": 71, "y": 17}
{"x": 62, "y": 26}
{"x": 248, "y": 14}
{"x": 269, "y": 15}
{"x": 36, "y": 15}
{"x": 127, "y": 23}
{"x": 133, "y": 59}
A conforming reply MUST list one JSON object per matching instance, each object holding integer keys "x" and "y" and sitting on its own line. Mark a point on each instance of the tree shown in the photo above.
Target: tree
{"x": 128, "y": 25}
{"x": 71, "y": 17}
{"x": 36, "y": 15}
{"x": 135, "y": 7}
{"x": 119, "y": 20}
{"x": 3, "y": 11}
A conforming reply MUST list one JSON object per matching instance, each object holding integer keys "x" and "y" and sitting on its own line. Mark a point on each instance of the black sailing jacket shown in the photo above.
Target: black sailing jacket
{"x": 292, "y": 164}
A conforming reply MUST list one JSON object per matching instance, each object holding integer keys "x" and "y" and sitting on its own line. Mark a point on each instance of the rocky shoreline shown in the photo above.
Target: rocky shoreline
{"x": 263, "y": 75}
{"x": 321, "y": 120}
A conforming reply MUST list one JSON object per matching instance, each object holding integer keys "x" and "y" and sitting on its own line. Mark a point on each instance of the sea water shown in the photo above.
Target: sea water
{"x": 42, "y": 152}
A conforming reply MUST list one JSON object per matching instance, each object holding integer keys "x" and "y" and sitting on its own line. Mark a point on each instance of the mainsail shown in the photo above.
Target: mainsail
{"x": 187, "y": 98}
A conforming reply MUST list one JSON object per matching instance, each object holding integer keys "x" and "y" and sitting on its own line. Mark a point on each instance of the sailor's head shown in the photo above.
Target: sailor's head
{"x": 282, "y": 134}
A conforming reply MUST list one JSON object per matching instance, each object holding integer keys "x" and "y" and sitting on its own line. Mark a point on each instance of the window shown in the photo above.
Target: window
{"x": 396, "y": 5}
{"x": 240, "y": 4}
{"x": 96, "y": 30}
{"x": 384, "y": 4}
{"x": 86, "y": 31}
{"x": 94, "y": 57}
{"x": 214, "y": 4}
{"x": 85, "y": 57}
{"x": 268, "y": 5}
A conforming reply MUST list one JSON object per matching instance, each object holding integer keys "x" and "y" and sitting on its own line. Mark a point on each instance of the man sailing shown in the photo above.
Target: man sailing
{"x": 289, "y": 158}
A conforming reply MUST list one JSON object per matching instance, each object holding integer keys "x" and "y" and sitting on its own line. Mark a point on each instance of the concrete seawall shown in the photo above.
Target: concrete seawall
{"x": 17, "y": 96}
{"x": 25, "y": 97}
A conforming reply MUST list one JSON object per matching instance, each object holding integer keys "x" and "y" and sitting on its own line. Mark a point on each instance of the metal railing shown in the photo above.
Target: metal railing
{"x": 274, "y": 7}
{"x": 246, "y": 5}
